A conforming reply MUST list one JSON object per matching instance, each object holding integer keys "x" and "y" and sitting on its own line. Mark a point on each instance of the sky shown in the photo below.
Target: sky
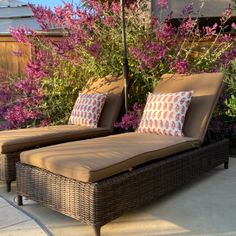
{"x": 49, "y": 3}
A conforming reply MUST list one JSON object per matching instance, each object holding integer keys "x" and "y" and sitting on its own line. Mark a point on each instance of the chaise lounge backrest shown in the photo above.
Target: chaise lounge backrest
{"x": 114, "y": 87}
{"x": 207, "y": 88}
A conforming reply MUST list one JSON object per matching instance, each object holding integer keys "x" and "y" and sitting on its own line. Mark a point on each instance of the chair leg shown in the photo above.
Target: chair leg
{"x": 19, "y": 200}
{"x": 8, "y": 186}
{"x": 226, "y": 165}
{"x": 97, "y": 230}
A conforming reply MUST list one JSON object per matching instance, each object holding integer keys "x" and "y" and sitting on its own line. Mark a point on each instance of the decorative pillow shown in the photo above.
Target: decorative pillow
{"x": 164, "y": 113}
{"x": 87, "y": 110}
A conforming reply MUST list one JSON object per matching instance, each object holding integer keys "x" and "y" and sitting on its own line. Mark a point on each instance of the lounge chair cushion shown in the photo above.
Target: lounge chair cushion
{"x": 18, "y": 140}
{"x": 87, "y": 109}
{"x": 207, "y": 88}
{"x": 96, "y": 159}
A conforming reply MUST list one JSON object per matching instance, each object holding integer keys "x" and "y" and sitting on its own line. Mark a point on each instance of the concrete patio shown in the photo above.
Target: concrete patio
{"x": 207, "y": 207}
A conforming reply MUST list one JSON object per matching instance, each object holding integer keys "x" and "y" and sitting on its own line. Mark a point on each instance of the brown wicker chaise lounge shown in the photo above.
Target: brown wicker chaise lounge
{"x": 97, "y": 180}
{"x": 13, "y": 142}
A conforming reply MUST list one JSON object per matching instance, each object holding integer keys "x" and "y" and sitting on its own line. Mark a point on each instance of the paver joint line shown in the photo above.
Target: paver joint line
{"x": 42, "y": 226}
{"x": 20, "y": 222}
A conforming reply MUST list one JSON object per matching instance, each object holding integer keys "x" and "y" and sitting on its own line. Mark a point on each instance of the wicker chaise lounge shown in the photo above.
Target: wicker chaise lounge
{"x": 95, "y": 181}
{"x": 13, "y": 142}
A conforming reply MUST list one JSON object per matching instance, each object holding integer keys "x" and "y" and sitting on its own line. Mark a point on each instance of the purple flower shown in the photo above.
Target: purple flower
{"x": 226, "y": 15}
{"x": 116, "y": 7}
{"x": 150, "y": 55}
{"x": 225, "y": 60}
{"x": 187, "y": 26}
{"x": 233, "y": 25}
{"x": 166, "y": 33}
{"x": 210, "y": 31}
{"x": 130, "y": 121}
{"x": 18, "y": 53}
{"x": 21, "y": 34}
{"x": 137, "y": 107}
{"x": 162, "y": 4}
{"x": 180, "y": 66}
{"x": 188, "y": 9}
{"x": 44, "y": 123}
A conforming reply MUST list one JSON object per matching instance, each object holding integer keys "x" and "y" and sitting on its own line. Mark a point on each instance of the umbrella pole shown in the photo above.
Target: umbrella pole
{"x": 125, "y": 59}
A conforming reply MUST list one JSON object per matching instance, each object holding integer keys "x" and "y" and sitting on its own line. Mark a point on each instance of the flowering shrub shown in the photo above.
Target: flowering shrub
{"x": 130, "y": 121}
{"x": 91, "y": 46}
{"x": 230, "y": 79}
{"x": 22, "y": 97}
{"x": 166, "y": 48}
{"x": 6, "y": 93}
{"x": 224, "y": 121}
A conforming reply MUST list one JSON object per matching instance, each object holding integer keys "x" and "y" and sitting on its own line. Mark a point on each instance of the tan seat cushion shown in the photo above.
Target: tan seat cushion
{"x": 96, "y": 159}
{"x": 22, "y": 139}
{"x": 207, "y": 88}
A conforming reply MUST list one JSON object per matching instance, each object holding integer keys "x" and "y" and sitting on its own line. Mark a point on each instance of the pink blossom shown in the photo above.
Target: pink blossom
{"x": 21, "y": 34}
{"x": 180, "y": 66}
{"x": 130, "y": 121}
{"x": 162, "y": 4}
{"x": 197, "y": 32}
{"x": 188, "y": 9}
{"x": 187, "y": 26}
{"x": 137, "y": 107}
{"x": 225, "y": 60}
{"x": 19, "y": 114}
{"x": 226, "y": 15}
{"x": 210, "y": 31}
{"x": 44, "y": 16}
{"x": 166, "y": 33}
{"x": 155, "y": 22}
{"x": 96, "y": 6}
{"x": 233, "y": 25}
{"x": 150, "y": 55}
{"x": 18, "y": 53}
{"x": 44, "y": 123}
{"x": 116, "y": 7}
{"x": 225, "y": 38}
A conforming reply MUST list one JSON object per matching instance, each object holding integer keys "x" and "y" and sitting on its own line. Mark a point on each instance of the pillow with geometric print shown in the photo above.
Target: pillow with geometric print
{"x": 87, "y": 110}
{"x": 164, "y": 113}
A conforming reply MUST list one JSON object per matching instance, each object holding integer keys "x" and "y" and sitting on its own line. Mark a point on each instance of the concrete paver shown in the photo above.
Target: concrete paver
{"x": 10, "y": 216}
{"x": 27, "y": 228}
{"x": 3, "y": 203}
{"x": 13, "y": 222}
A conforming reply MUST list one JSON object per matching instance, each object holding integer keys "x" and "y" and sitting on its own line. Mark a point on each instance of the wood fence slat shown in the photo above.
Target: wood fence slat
{"x": 9, "y": 61}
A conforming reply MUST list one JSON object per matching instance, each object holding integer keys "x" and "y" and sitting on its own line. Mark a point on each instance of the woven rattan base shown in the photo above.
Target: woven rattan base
{"x": 8, "y": 168}
{"x": 101, "y": 202}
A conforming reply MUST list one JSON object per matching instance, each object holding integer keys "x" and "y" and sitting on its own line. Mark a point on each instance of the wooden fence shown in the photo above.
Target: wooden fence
{"x": 13, "y": 56}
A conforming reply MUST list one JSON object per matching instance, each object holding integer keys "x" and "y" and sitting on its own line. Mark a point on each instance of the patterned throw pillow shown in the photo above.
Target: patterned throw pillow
{"x": 164, "y": 113}
{"x": 87, "y": 110}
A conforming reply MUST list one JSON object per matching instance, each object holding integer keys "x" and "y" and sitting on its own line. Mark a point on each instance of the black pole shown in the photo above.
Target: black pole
{"x": 125, "y": 59}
